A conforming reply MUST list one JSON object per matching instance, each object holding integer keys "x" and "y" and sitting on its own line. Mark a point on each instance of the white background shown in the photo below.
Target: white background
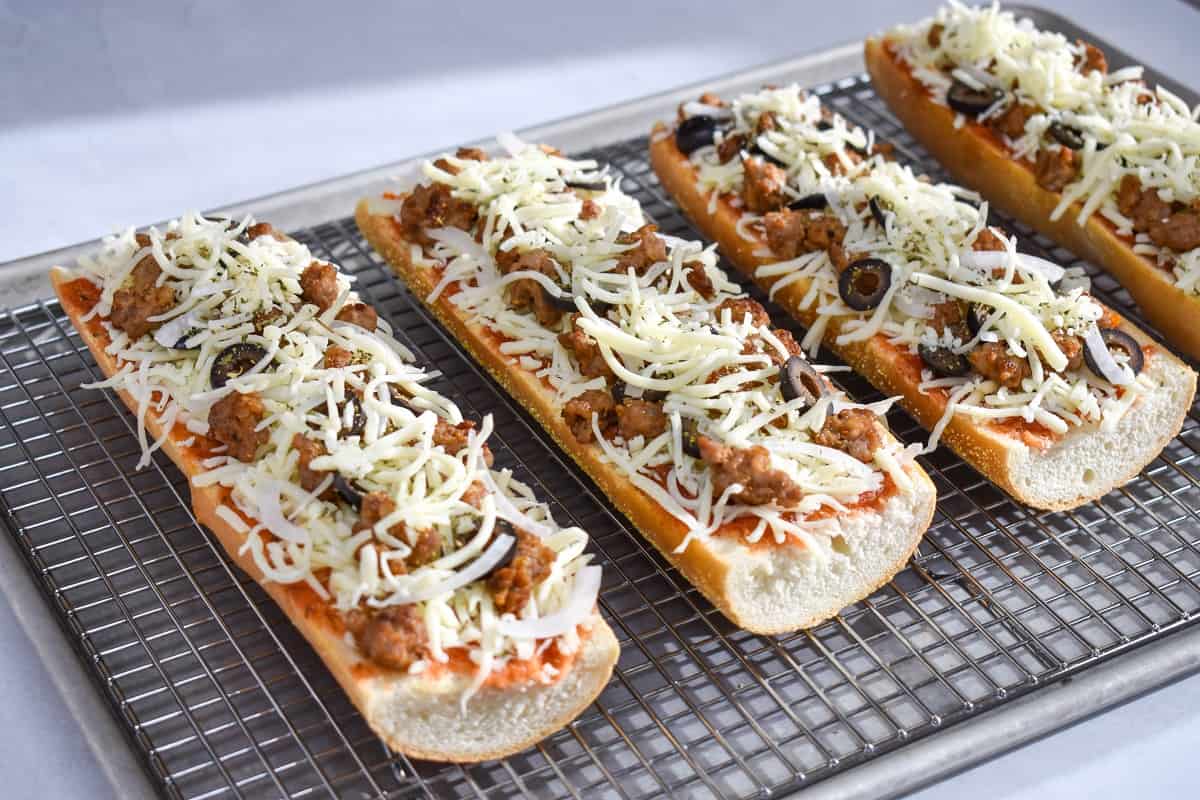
{"x": 118, "y": 113}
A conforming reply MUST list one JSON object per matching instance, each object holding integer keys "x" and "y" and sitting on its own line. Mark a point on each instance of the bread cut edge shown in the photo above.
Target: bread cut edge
{"x": 1052, "y": 479}
{"x": 1011, "y": 186}
{"x": 414, "y": 715}
{"x": 766, "y": 590}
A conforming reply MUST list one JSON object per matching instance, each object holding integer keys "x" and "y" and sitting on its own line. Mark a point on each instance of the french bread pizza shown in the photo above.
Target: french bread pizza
{"x": 1096, "y": 160}
{"x": 454, "y": 612}
{"x": 1003, "y": 356}
{"x": 781, "y": 500}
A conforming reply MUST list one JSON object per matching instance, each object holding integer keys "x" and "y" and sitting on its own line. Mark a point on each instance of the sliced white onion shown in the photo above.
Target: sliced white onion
{"x": 578, "y": 607}
{"x": 694, "y": 108}
{"x": 270, "y": 514}
{"x": 384, "y": 206}
{"x": 917, "y": 301}
{"x": 1110, "y": 370}
{"x": 173, "y": 330}
{"x": 456, "y": 580}
{"x": 991, "y": 259}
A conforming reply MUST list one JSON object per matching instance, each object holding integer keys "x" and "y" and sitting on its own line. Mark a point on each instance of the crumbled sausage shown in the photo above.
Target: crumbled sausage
{"x": 790, "y": 233}
{"x": 337, "y": 357}
{"x": 934, "y": 37}
{"x": 232, "y": 421}
{"x": 762, "y": 185}
{"x": 311, "y": 478}
{"x": 730, "y": 146}
{"x": 474, "y": 494}
{"x": 360, "y": 314}
{"x": 1072, "y": 347}
{"x": 527, "y": 293}
{"x": 1143, "y": 206}
{"x": 1179, "y": 232}
{"x": 740, "y": 307}
{"x": 318, "y": 285}
{"x": 993, "y": 361}
{"x": 587, "y": 353}
{"x": 264, "y": 229}
{"x": 637, "y": 417}
{"x": 1012, "y": 122}
{"x": 454, "y": 438}
{"x": 1093, "y": 59}
{"x": 841, "y": 163}
{"x": 948, "y": 314}
{"x": 464, "y": 153}
{"x": 698, "y": 279}
{"x": 435, "y": 206}
{"x": 648, "y": 250}
{"x": 392, "y": 637}
{"x": 1055, "y": 168}
{"x": 988, "y": 240}
{"x": 139, "y": 298}
{"x": 851, "y": 430}
{"x": 750, "y": 467}
{"x": 512, "y": 585}
{"x": 589, "y": 210}
{"x": 426, "y": 544}
{"x": 579, "y": 410}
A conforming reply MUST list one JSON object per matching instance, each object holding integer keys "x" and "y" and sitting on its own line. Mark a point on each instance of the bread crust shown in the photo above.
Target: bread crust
{"x": 1010, "y": 185}
{"x": 716, "y": 566}
{"x": 1005, "y": 460}
{"x": 503, "y": 720}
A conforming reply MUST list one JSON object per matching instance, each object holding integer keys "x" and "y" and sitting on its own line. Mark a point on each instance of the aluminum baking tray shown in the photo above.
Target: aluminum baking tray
{"x": 1008, "y": 624}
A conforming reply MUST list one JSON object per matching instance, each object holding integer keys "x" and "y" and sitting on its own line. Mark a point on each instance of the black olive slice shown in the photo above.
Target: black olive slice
{"x": 358, "y": 421}
{"x": 694, "y": 133}
{"x": 797, "y": 378}
{"x": 691, "y": 435}
{"x": 1066, "y": 135}
{"x": 1116, "y": 339}
{"x": 878, "y": 212}
{"x": 233, "y": 361}
{"x": 810, "y": 202}
{"x": 182, "y": 344}
{"x": 824, "y": 125}
{"x": 944, "y": 362}
{"x": 977, "y": 314}
{"x": 653, "y": 395}
{"x": 503, "y": 527}
{"x": 863, "y": 284}
{"x": 347, "y": 491}
{"x": 585, "y": 186}
{"x": 755, "y": 150}
{"x": 564, "y": 303}
{"x": 618, "y": 390}
{"x": 971, "y": 102}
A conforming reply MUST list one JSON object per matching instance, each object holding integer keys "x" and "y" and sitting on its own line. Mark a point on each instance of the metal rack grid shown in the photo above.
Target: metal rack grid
{"x": 223, "y": 698}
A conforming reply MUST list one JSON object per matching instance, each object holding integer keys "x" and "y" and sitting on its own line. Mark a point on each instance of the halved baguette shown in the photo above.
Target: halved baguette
{"x": 417, "y": 715}
{"x": 981, "y": 162}
{"x": 766, "y": 589}
{"x": 1079, "y": 467}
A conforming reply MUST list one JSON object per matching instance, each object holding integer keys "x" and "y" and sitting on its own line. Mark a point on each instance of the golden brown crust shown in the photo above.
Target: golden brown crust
{"x": 699, "y": 562}
{"x": 981, "y": 162}
{"x": 363, "y": 681}
{"x": 989, "y": 451}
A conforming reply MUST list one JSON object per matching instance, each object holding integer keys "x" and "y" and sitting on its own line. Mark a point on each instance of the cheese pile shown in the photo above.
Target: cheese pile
{"x": 234, "y": 289}
{"x": 656, "y": 333}
{"x": 927, "y": 241}
{"x": 1127, "y": 128}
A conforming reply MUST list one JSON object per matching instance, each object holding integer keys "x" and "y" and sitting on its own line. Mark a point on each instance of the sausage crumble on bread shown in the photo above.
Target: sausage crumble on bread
{"x": 370, "y": 490}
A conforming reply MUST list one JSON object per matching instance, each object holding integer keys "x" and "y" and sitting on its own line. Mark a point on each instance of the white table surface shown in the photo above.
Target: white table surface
{"x": 117, "y": 113}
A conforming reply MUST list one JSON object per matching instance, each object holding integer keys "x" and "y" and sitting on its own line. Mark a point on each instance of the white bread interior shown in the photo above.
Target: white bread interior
{"x": 764, "y": 589}
{"x": 413, "y": 714}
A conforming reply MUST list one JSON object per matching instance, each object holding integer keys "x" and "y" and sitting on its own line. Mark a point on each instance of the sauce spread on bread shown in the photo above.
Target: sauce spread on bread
{"x": 349, "y": 480}
{"x": 874, "y": 250}
{"x": 1113, "y": 147}
{"x": 655, "y": 357}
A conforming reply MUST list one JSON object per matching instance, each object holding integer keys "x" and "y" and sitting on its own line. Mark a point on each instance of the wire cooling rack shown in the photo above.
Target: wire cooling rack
{"x": 221, "y": 697}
